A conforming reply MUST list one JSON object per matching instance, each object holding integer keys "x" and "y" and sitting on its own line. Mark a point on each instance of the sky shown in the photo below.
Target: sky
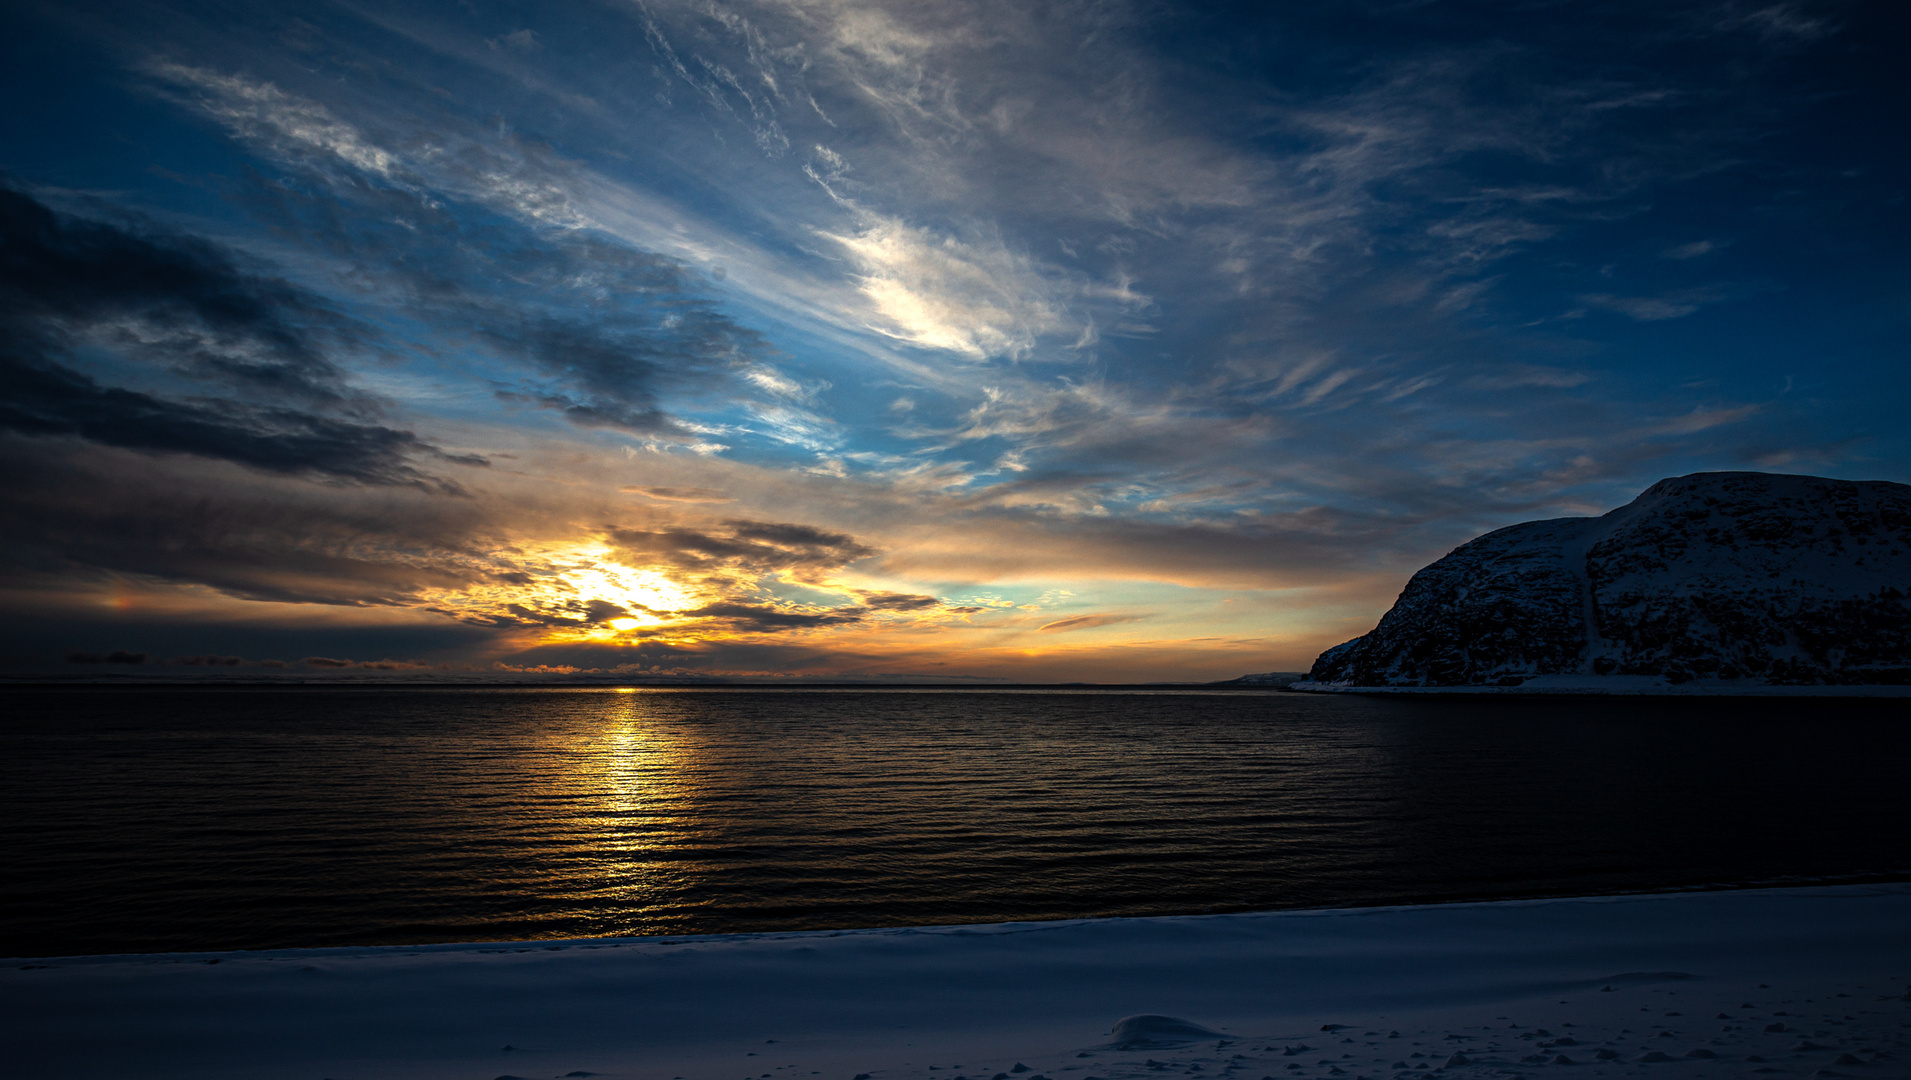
{"x": 828, "y": 339}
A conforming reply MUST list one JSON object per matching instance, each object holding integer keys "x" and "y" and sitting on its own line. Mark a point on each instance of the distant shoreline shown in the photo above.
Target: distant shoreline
{"x": 1618, "y": 686}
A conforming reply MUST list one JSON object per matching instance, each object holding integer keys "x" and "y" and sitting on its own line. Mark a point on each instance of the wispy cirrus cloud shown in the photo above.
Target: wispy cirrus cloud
{"x": 977, "y": 300}
{"x": 680, "y": 494}
{"x": 1672, "y": 305}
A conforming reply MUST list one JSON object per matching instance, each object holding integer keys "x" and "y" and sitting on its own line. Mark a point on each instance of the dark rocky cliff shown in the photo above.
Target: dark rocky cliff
{"x": 1781, "y": 580}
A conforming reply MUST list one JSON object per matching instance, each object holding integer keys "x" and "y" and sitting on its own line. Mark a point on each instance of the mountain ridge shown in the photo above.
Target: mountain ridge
{"x": 1759, "y": 580}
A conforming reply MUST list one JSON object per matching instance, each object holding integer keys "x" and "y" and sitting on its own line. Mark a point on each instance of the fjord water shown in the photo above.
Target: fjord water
{"x": 155, "y": 819}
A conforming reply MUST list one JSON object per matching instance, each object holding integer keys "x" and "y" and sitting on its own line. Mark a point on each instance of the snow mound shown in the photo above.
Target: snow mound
{"x": 1151, "y": 1030}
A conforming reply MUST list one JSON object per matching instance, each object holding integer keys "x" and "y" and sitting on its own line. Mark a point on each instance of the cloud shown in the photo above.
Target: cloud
{"x": 179, "y": 308}
{"x": 603, "y": 327}
{"x": 441, "y": 160}
{"x": 583, "y": 325}
{"x": 1676, "y": 305}
{"x": 561, "y": 611}
{"x": 519, "y": 40}
{"x": 512, "y": 176}
{"x": 754, "y": 547}
{"x": 612, "y": 367}
{"x": 51, "y": 400}
{"x": 739, "y": 617}
{"x": 688, "y": 583}
{"x": 1689, "y": 251}
{"x": 975, "y": 299}
{"x": 888, "y": 601}
{"x": 1523, "y": 375}
{"x": 78, "y": 514}
{"x": 718, "y": 84}
{"x": 117, "y": 656}
{"x": 1700, "y": 419}
{"x": 179, "y": 300}
{"x": 1785, "y": 22}
{"x": 1086, "y": 622}
{"x": 680, "y": 494}
{"x": 263, "y": 112}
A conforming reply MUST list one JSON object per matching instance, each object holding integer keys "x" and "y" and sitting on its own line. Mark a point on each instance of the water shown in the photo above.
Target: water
{"x": 167, "y": 819}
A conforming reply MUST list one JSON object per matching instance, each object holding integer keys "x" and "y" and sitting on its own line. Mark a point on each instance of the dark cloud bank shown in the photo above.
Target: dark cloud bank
{"x": 179, "y": 309}
{"x": 73, "y": 513}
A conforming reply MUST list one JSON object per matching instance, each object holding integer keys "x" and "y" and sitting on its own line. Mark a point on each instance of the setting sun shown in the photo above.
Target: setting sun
{"x": 645, "y": 593}
{"x": 572, "y": 592}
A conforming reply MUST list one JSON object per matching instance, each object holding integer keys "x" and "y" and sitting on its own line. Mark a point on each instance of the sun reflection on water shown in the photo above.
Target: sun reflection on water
{"x": 635, "y": 788}
{"x": 637, "y": 767}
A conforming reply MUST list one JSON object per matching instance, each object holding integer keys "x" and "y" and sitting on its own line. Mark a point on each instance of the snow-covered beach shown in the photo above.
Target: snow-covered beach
{"x": 1780, "y": 982}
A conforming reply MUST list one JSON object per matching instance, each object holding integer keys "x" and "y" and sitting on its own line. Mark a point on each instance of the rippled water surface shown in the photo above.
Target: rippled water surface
{"x": 159, "y": 819}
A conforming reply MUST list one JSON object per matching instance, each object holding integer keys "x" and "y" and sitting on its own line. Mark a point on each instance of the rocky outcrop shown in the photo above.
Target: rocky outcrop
{"x": 1751, "y": 578}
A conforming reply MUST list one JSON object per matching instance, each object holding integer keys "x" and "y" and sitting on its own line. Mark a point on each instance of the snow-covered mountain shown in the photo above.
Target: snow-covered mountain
{"x": 1755, "y": 579}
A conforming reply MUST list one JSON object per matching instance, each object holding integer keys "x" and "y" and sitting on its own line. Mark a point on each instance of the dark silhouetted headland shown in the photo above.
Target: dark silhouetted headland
{"x": 1726, "y": 582}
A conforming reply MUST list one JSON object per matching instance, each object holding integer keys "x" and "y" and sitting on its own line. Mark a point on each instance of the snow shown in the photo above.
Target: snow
{"x": 1151, "y": 1030}
{"x": 1796, "y": 977}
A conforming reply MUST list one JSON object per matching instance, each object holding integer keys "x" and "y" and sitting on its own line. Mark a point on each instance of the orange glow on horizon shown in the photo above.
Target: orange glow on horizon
{"x": 582, "y": 592}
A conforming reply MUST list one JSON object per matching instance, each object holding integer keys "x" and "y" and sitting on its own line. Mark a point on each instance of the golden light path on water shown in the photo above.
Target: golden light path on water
{"x": 631, "y": 785}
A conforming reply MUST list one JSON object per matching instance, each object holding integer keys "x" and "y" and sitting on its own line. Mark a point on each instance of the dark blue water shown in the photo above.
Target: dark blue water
{"x": 163, "y": 819}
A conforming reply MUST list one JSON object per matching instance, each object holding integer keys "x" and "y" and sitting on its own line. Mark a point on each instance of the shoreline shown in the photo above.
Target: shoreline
{"x": 972, "y": 1001}
{"x": 222, "y": 953}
